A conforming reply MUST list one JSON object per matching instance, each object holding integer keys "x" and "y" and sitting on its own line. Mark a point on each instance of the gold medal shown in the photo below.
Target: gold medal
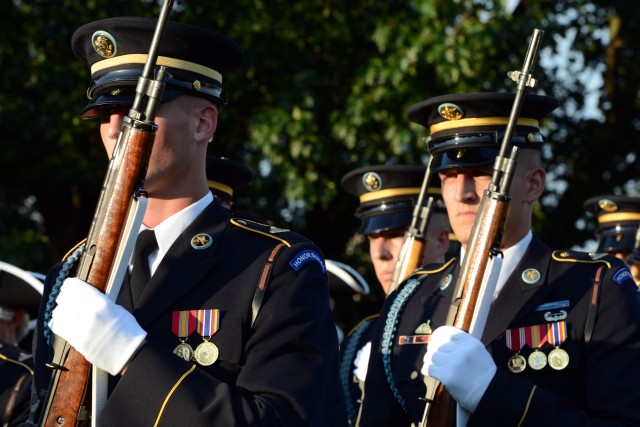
{"x": 183, "y": 323}
{"x": 206, "y": 353}
{"x": 517, "y": 363}
{"x": 207, "y": 324}
{"x": 184, "y": 351}
{"x": 537, "y": 360}
{"x": 558, "y": 359}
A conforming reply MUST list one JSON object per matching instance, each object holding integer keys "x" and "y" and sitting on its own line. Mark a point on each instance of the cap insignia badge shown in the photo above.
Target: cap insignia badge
{"x": 607, "y": 205}
{"x": 372, "y": 181}
{"x": 530, "y": 276}
{"x": 104, "y": 44}
{"x": 450, "y": 111}
{"x": 201, "y": 241}
{"x": 196, "y": 85}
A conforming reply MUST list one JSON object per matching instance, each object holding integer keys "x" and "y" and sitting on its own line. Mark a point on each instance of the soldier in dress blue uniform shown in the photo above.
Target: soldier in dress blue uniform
{"x": 20, "y": 294}
{"x": 234, "y": 325}
{"x": 388, "y": 195}
{"x": 561, "y": 339}
{"x": 618, "y": 228}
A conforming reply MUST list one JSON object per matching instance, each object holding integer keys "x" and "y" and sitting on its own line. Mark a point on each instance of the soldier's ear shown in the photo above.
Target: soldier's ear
{"x": 536, "y": 178}
{"x": 207, "y": 121}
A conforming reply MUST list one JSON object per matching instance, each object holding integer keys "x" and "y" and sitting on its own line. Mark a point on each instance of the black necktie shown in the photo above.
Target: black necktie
{"x": 140, "y": 275}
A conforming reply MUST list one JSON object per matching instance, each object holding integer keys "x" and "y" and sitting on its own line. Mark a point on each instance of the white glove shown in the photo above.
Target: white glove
{"x": 106, "y": 334}
{"x": 361, "y": 362}
{"x": 460, "y": 362}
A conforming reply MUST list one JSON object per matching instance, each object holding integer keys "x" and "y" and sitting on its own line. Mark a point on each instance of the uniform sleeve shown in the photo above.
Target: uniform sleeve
{"x": 611, "y": 368}
{"x": 289, "y": 378}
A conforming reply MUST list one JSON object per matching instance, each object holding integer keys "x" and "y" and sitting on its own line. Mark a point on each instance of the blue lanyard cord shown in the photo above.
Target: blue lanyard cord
{"x": 55, "y": 290}
{"x": 390, "y": 329}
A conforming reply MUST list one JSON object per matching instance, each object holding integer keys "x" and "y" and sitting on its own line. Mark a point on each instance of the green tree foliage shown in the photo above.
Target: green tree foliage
{"x": 324, "y": 89}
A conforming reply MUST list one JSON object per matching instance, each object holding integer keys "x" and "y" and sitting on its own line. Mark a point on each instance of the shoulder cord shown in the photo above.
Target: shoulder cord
{"x": 346, "y": 366}
{"x": 8, "y": 410}
{"x": 258, "y": 296}
{"x": 390, "y": 329}
{"x": 593, "y": 307}
{"x": 55, "y": 290}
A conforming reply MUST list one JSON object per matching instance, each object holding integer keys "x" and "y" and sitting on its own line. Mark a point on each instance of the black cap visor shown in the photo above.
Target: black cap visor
{"x": 477, "y": 150}
{"x": 387, "y": 221}
{"x": 117, "y": 88}
{"x": 617, "y": 239}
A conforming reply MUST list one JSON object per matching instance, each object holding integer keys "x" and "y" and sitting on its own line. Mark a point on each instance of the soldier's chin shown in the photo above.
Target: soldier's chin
{"x": 463, "y": 236}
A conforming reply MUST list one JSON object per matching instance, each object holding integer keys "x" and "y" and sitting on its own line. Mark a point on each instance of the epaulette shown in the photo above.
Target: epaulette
{"x": 579, "y": 257}
{"x": 68, "y": 254}
{"x": 263, "y": 229}
{"x": 360, "y": 323}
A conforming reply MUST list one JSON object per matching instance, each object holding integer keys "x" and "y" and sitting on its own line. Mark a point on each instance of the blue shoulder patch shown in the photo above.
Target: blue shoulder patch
{"x": 622, "y": 275}
{"x": 304, "y": 257}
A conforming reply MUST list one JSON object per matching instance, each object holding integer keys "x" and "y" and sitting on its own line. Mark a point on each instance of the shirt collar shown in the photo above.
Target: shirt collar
{"x": 168, "y": 230}
{"x": 512, "y": 257}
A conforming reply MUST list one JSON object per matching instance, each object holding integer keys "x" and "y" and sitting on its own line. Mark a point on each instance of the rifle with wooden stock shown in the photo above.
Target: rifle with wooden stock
{"x": 474, "y": 289}
{"x": 109, "y": 237}
{"x": 415, "y": 238}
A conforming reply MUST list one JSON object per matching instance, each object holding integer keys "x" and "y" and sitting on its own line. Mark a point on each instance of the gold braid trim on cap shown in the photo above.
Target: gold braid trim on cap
{"x": 620, "y": 216}
{"x": 392, "y": 192}
{"x": 220, "y": 187}
{"x": 484, "y": 121}
{"x": 141, "y": 58}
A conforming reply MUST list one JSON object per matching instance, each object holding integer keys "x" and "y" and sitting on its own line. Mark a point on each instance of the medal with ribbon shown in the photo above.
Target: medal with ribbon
{"x": 536, "y": 338}
{"x": 515, "y": 341}
{"x": 557, "y": 333}
{"x": 207, "y": 324}
{"x": 183, "y": 323}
